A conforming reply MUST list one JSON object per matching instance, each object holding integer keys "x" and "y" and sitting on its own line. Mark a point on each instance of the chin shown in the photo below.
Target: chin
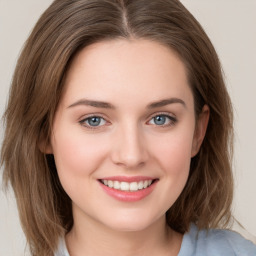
{"x": 132, "y": 223}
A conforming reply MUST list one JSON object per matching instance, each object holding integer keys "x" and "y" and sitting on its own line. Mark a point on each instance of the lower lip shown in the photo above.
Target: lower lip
{"x": 128, "y": 196}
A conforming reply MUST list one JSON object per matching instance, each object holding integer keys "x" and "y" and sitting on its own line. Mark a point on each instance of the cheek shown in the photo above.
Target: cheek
{"x": 173, "y": 155}
{"x": 76, "y": 155}
{"x": 173, "y": 152}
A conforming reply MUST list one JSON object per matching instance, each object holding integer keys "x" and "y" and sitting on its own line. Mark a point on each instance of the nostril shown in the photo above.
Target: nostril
{"x": 130, "y": 151}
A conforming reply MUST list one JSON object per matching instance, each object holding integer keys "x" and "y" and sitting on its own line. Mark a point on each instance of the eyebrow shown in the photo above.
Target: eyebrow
{"x": 165, "y": 102}
{"x": 93, "y": 103}
{"x": 102, "y": 104}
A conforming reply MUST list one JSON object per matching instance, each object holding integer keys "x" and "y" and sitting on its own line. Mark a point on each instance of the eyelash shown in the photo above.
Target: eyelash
{"x": 83, "y": 122}
{"x": 172, "y": 120}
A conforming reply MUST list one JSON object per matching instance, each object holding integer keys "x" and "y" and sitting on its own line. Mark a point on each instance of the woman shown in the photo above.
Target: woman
{"x": 119, "y": 133}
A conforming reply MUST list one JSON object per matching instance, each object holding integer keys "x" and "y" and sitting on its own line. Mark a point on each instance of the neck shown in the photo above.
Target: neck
{"x": 90, "y": 237}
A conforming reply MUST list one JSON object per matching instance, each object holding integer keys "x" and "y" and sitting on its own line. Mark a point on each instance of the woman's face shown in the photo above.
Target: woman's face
{"x": 124, "y": 133}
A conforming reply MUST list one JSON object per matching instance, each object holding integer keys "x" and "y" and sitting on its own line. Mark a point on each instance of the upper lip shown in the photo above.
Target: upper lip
{"x": 128, "y": 178}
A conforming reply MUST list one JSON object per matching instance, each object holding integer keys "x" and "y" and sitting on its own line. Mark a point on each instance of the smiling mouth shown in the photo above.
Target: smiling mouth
{"x": 128, "y": 186}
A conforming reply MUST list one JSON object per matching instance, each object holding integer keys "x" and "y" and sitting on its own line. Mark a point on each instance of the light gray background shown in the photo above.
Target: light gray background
{"x": 231, "y": 25}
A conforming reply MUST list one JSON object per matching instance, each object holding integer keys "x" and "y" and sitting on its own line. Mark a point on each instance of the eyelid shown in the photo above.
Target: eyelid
{"x": 172, "y": 117}
{"x": 84, "y": 118}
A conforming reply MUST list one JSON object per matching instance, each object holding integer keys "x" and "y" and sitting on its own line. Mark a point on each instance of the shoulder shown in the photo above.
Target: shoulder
{"x": 62, "y": 249}
{"x": 215, "y": 242}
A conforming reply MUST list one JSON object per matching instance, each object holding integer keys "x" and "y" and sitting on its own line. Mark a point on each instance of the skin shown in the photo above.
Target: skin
{"x": 128, "y": 75}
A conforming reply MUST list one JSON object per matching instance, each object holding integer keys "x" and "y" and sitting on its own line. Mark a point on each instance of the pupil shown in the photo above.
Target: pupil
{"x": 160, "y": 120}
{"x": 94, "y": 121}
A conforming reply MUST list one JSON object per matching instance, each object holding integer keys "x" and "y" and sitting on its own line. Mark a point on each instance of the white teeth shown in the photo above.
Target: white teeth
{"x": 134, "y": 186}
{"x": 110, "y": 183}
{"x": 116, "y": 185}
{"x": 140, "y": 186}
{"x": 124, "y": 186}
{"x": 145, "y": 184}
{"x": 127, "y": 186}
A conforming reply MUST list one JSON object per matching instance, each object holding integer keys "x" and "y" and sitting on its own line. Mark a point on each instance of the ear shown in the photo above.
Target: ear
{"x": 44, "y": 145}
{"x": 200, "y": 130}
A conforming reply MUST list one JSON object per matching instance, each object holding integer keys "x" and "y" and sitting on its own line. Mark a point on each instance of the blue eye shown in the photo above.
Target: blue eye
{"x": 162, "y": 120}
{"x": 93, "y": 121}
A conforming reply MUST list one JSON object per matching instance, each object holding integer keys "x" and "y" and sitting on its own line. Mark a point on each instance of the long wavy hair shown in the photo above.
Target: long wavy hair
{"x": 65, "y": 28}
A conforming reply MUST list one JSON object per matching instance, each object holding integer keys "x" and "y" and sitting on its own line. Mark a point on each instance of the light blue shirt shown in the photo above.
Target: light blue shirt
{"x": 214, "y": 242}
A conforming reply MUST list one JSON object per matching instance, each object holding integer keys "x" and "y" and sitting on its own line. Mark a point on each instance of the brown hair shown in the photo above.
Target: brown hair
{"x": 68, "y": 26}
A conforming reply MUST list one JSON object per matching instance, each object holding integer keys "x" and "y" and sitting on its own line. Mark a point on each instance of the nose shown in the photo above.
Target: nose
{"x": 130, "y": 149}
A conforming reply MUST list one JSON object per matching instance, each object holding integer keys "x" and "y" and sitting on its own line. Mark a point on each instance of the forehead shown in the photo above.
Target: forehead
{"x": 119, "y": 69}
